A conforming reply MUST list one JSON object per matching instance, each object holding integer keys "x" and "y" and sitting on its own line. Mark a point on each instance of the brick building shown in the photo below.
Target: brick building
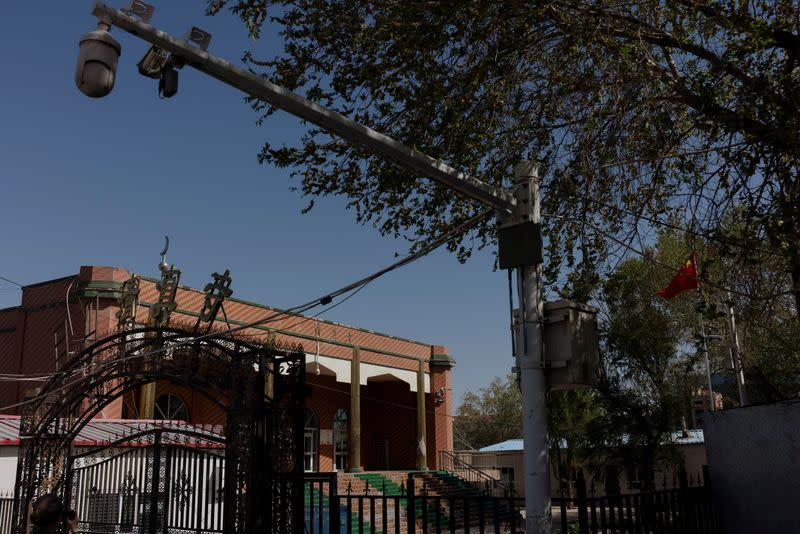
{"x": 392, "y": 383}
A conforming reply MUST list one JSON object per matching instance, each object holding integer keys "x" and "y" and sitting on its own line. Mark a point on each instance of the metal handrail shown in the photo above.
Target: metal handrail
{"x": 452, "y": 463}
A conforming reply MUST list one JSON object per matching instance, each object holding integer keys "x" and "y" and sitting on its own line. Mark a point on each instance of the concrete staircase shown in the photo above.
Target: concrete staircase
{"x": 450, "y": 486}
{"x": 374, "y": 484}
{"x": 427, "y": 486}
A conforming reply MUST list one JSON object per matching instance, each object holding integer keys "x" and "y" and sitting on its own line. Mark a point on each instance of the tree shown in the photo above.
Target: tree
{"x": 651, "y": 362}
{"x": 492, "y": 415}
{"x": 576, "y": 438}
{"x": 766, "y": 329}
{"x": 637, "y": 111}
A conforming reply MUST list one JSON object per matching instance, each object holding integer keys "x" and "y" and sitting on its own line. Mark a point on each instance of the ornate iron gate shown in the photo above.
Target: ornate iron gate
{"x": 162, "y": 482}
{"x": 260, "y": 386}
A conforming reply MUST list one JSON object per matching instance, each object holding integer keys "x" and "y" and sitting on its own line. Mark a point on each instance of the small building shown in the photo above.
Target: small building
{"x": 503, "y": 461}
{"x": 391, "y": 381}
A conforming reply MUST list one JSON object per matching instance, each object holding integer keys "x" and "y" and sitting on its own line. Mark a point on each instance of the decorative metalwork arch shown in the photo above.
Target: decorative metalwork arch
{"x": 259, "y": 385}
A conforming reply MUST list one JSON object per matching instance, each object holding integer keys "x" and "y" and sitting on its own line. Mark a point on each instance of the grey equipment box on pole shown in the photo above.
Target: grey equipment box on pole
{"x": 571, "y": 346}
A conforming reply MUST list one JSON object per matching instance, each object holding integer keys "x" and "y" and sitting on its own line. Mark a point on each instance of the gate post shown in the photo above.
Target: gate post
{"x": 333, "y": 507}
{"x": 155, "y": 483}
{"x": 411, "y": 505}
{"x": 583, "y": 515}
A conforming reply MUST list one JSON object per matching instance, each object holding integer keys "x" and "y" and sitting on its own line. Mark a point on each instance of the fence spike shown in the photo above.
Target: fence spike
{"x": 383, "y": 486}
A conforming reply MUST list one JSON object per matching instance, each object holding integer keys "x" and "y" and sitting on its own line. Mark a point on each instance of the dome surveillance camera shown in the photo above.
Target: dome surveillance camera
{"x": 97, "y": 63}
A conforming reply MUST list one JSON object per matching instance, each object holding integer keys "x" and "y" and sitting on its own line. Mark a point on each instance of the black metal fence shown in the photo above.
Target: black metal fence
{"x": 685, "y": 510}
{"x": 417, "y": 510}
{"x": 414, "y": 510}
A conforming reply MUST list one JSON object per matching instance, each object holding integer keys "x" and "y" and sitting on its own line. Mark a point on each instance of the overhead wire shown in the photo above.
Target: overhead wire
{"x": 353, "y": 288}
{"x": 11, "y": 281}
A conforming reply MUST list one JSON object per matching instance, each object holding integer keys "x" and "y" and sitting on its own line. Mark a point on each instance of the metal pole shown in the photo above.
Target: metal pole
{"x": 708, "y": 365}
{"x": 305, "y": 109}
{"x": 735, "y": 355}
{"x": 532, "y": 379}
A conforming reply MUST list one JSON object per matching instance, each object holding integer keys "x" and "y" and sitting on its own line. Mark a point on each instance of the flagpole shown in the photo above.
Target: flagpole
{"x": 705, "y": 349}
{"x": 734, "y": 348}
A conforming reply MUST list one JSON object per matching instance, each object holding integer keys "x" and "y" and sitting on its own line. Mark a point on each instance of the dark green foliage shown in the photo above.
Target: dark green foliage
{"x": 492, "y": 415}
{"x": 637, "y": 111}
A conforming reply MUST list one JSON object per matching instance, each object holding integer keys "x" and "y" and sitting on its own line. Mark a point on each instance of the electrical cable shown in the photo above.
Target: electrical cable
{"x": 11, "y": 281}
{"x": 354, "y": 287}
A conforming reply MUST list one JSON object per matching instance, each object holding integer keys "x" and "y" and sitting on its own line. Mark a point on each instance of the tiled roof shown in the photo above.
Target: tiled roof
{"x": 101, "y": 432}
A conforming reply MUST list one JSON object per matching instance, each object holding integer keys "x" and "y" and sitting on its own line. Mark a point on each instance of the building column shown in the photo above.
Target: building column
{"x": 422, "y": 445}
{"x": 354, "y": 428}
{"x": 441, "y": 364}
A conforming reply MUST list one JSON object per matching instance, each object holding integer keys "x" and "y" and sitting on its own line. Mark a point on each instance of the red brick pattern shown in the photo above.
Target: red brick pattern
{"x": 388, "y": 409}
{"x": 440, "y": 426}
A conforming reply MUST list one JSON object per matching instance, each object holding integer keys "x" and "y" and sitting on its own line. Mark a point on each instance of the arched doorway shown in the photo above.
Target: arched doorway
{"x": 259, "y": 386}
{"x": 340, "y": 437}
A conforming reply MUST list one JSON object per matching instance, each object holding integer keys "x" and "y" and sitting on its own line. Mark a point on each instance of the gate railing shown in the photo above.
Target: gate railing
{"x": 419, "y": 511}
{"x": 687, "y": 509}
{"x": 414, "y": 510}
{"x": 449, "y": 461}
{"x": 6, "y": 509}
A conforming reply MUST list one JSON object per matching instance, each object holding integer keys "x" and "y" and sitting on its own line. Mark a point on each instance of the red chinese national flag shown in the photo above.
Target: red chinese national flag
{"x": 684, "y": 280}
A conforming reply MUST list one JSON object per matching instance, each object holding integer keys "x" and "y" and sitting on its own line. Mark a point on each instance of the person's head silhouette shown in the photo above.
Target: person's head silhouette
{"x": 46, "y": 513}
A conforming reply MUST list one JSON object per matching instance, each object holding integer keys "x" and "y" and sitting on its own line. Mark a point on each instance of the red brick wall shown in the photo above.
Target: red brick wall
{"x": 388, "y": 408}
{"x": 388, "y": 411}
{"x": 440, "y": 425}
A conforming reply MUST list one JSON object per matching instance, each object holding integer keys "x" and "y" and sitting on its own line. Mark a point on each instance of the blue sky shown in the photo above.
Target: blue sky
{"x": 99, "y": 182}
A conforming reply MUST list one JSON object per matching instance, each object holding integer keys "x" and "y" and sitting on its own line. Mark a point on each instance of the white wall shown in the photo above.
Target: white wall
{"x": 8, "y": 468}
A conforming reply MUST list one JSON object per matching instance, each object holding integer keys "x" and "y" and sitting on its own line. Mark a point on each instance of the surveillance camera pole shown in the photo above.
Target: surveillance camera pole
{"x": 531, "y": 365}
{"x": 515, "y": 207}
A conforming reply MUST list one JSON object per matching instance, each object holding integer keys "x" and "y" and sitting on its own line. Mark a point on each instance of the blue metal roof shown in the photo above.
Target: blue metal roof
{"x": 694, "y": 437}
{"x": 505, "y": 446}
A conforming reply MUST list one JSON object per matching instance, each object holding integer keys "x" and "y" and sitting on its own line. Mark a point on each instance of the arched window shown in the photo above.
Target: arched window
{"x": 310, "y": 440}
{"x": 171, "y": 407}
{"x": 340, "y": 440}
